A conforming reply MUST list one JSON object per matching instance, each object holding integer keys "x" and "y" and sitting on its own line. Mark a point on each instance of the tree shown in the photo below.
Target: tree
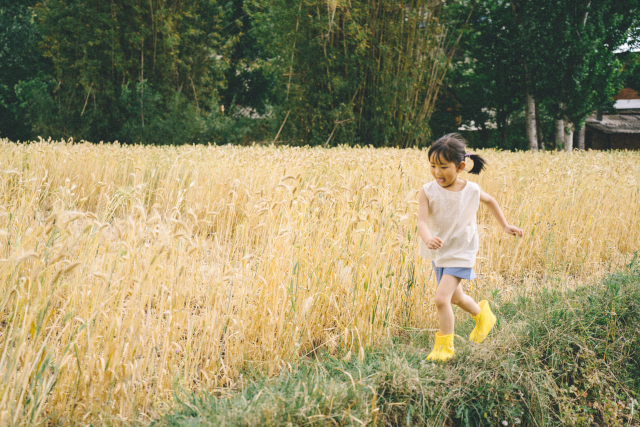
{"x": 358, "y": 71}
{"x": 21, "y": 62}
{"x": 250, "y": 77}
{"x": 583, "y": 38}
{"x": 556, "y": 60}
{"x": 485, "y": 84}
{"x": 631, "y": 68}
{"x": 110, "y": 57}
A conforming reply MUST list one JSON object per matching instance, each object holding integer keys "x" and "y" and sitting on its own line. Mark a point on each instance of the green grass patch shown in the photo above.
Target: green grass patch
{"x": 553, "y": 359}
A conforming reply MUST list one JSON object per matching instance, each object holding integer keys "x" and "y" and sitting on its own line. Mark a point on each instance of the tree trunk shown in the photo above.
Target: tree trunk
{"x": 501, "y": 121}
{"x": 530, "y": 119}
{"x": 484, "y": 133}
{"x": 581, "y": 133}
{"x": 539, "y": 129}
{"x": 568, "y": 135}
{"x": 559, "y": 134}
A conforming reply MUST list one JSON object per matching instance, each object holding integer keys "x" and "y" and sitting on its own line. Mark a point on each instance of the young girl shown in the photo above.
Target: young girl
{"x": 449, "y": 237}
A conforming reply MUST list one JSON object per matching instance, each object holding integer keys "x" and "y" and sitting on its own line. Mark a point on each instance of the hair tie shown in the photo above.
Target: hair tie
{"x": 469, "y": 154}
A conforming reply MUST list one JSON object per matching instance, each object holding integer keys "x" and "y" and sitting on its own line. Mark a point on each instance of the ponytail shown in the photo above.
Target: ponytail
{"x": 479, "y": 163}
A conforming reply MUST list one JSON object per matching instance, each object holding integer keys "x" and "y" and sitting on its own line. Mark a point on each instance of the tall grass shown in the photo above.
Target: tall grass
{"x": 129, "y": 271}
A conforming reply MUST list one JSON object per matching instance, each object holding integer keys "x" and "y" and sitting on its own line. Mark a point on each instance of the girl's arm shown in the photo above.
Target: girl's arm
{"x": 495, "y": 210}
{"x": 423, "y": 229}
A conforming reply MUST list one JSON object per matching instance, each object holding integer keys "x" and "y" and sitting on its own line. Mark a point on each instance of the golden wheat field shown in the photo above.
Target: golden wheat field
{"x": 128, "y": 272}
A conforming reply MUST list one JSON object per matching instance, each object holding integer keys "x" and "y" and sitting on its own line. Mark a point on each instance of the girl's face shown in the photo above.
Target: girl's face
{"x": 445, "y": 173}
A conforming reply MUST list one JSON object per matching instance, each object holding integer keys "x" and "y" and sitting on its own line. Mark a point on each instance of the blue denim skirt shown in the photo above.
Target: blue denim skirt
{"x": 461, "y": 272}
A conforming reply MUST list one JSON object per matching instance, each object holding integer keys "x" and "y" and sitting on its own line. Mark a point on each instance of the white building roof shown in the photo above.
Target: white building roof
{"x": 623, "y": 104}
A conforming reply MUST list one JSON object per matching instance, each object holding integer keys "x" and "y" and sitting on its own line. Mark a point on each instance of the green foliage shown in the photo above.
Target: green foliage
{"x": 631, "y": 73}
{"x": 150, "y": 72}
{"x": 484, "y": 84}
{"x": 565, "y": 50}
{"x": 175, "y": 121}
{"x": 251, "y": 79}
{"x": 20, "y": 61}
{"x": 37, "y": 105}
{"x": 359, "y": 71}
{"x": 584, "y": 37}
{"x": 98, "y": 49}
{"x": 554, "y": 359}
{"x": 331, "y": 72}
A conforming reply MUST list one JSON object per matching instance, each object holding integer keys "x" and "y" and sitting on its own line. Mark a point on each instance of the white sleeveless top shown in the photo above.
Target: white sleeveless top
{"x": 452, "y": 217}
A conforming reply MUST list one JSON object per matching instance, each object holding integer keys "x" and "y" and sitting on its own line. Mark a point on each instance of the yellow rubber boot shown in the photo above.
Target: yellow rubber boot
{"x": 443, "y": 348}
{"x": 484, "y": 323}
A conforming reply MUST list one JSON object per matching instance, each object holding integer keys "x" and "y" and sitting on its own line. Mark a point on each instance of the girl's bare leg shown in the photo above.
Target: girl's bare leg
{"x": 464, "y": 301}
{"x": 444, "y": 293}
{"x": 449, "y": 292}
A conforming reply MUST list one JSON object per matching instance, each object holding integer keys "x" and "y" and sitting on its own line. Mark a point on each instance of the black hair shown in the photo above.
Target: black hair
{"x": 452, "y": 148}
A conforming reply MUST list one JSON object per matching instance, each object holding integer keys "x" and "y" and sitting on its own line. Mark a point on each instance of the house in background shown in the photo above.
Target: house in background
{"x": 619, "y": 131}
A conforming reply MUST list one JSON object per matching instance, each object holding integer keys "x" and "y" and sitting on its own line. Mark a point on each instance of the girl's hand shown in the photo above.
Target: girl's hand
{"x": 514, "y": 231}
{"x": 434, "y": 243}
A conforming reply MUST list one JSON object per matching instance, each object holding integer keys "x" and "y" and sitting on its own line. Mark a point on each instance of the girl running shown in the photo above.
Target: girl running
{"x": 449, "y": 237}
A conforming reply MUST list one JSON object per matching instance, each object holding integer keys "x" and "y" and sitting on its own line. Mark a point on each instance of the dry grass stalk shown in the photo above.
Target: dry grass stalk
{"x": 126, "y": 270}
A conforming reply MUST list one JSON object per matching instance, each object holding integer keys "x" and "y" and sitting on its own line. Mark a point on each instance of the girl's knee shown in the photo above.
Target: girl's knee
{"x": 442, "y": 301}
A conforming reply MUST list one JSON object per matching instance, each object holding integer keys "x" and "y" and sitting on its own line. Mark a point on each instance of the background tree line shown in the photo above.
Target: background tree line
{"x": 377, "y": 72}
{"x": 534, "y": 71}
{"x": 155, "y": 71}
